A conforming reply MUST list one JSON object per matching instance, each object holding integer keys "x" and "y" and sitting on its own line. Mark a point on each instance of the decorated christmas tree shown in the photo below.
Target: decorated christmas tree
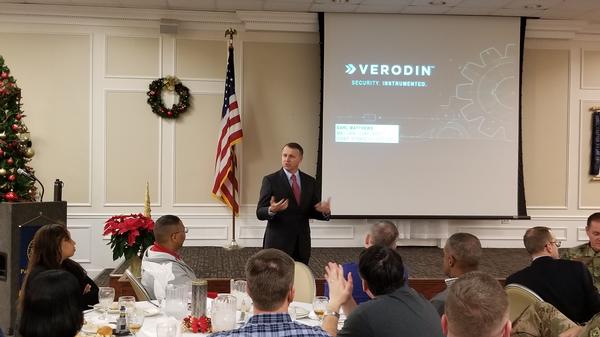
{"x": 15, "y": 143}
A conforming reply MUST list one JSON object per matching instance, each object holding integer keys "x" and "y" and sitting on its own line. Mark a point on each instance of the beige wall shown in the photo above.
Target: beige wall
{"x": 545, "y": 126}
{"x": 276, "y": 114}
{"x": 84, "y": 83}
{"x": 53, "y": 72}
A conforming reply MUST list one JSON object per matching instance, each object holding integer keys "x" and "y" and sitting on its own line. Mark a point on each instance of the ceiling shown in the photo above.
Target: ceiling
{"x": 588, "y": 10}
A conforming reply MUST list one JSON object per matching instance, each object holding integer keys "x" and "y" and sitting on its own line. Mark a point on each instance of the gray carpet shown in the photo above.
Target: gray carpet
{"x": 422, "y": 262}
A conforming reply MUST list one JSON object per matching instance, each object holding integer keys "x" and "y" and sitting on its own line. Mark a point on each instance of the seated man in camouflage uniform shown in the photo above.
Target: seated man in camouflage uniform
{"x": 589, "y": 253}
{"x": 477, "y": 306}
{"x": 544, "y": 320}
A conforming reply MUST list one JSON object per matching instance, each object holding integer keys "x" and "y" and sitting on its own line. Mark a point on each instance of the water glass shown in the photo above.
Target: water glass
{"x": 319, "y": 306}
{"x": 175, "y": 303}
{"x": 223, "y": 312}
{"x": 135, "y": 320}
{"x": 106, "y": 295}
{"x": 166, "y": 328}
{"x": 238, "y": 289}
{"x": 128, "y": 302}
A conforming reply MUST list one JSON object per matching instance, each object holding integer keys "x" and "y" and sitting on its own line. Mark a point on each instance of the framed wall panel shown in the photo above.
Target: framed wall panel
{"x": 133, "y": 149}
{"x": 56, "y": 98}
{"x": 194, "y": 150}
{"x": 132, "y": 56}
{"x": 546, "y": 127}
{"x": 281, "y": 105}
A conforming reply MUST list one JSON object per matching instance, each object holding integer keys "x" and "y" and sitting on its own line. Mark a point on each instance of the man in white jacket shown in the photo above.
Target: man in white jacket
{"x": 161, "y": 262}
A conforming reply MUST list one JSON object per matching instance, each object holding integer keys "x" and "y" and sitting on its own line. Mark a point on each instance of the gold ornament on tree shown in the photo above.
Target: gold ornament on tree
{"x": 29, "y": 153}
{"x": 2, "y": 172}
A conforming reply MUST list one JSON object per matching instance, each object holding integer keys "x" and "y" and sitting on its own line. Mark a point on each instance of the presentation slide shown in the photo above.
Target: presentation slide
{"x": 421, "y": 115}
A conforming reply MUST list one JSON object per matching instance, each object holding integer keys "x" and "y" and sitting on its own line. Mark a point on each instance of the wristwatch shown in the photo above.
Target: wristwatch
{"x": 331, "y": 313}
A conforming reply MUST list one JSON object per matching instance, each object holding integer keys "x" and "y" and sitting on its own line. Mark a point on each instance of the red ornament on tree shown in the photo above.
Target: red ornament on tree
{"x": 12, "y": 177}
{"x": 18, "y": 117}
{"x": 10, "y": 161}
{"x": 15, "y": 127}
{"x": 11, "y": 196}
{"x": 1, "y": 153}
{"x": 4, "y": 75}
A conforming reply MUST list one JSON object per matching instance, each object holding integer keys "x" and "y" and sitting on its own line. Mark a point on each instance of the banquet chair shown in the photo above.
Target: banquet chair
{"x": 138, "y": 288}
{"x": 304, "y": 283}
{"x": 519, "y": 298}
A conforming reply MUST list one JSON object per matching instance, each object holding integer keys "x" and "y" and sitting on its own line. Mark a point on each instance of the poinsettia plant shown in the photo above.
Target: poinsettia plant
{"x": 130, "y": 235}
{"x": 200, "y": 324}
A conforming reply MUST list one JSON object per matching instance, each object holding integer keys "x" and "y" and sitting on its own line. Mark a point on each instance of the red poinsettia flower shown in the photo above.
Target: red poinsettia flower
{"x": 129, "y": 234}
{"x": 200, "y": 324}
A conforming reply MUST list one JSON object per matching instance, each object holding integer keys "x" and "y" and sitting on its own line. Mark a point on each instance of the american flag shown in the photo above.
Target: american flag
{"x": 225, "y": 187}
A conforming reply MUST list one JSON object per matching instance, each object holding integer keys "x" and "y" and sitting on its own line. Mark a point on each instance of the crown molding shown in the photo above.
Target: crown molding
{"x": 242, "y": 20}
{"x": 150, "y": 18}
{"x": 562, "y": 29}
{"x": 279, "y": 21}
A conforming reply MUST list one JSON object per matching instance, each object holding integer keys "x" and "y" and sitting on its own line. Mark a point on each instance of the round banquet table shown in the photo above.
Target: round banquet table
{"x": 150, "y": 322}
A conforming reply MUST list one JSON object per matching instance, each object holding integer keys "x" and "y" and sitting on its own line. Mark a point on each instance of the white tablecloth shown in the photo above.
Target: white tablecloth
{"x": 149, "y": 327}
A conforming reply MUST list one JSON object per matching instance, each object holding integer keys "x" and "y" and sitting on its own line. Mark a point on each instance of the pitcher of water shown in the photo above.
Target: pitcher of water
{"x": 223, "y": 311}
{"x": 175, "y": 301}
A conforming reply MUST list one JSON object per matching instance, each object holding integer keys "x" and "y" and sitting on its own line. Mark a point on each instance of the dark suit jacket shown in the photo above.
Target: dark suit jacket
{"x": 288, "y": 230}
{"x": 567, "y": 285}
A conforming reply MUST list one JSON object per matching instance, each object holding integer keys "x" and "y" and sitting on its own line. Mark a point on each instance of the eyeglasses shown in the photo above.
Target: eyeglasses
{"x": 556, "y": 243}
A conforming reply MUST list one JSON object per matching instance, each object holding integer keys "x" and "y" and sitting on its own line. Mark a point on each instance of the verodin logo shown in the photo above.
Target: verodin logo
{"x": 391, "y": 69}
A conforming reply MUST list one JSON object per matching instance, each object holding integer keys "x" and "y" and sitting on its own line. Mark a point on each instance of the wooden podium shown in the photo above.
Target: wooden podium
{"x": 18, "y": 223}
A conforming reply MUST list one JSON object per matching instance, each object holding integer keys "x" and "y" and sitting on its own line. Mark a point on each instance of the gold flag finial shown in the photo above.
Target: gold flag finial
{"x": 230, "y": 32}
{"x": 147, "y": 209}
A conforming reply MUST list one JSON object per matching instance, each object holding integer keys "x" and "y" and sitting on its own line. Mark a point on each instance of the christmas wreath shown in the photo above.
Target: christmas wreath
{"x": 169, "y": 83}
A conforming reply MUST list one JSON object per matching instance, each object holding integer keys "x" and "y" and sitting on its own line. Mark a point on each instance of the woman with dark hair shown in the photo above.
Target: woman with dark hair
{"x": 51, "y": 306}
{"x": 52, "y": 248}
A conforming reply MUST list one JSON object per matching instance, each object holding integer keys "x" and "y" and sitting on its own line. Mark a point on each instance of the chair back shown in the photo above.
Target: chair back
{"x": 519, "y": 298}
{"x": 138, "y": 288}
{"x": 304, "y": 282}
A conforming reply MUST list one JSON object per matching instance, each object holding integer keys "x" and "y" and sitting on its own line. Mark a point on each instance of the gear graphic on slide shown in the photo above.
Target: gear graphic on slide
{"x": 488, "y": 101}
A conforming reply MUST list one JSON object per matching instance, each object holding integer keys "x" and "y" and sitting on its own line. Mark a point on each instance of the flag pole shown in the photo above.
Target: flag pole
{"x": 233, "y": 245}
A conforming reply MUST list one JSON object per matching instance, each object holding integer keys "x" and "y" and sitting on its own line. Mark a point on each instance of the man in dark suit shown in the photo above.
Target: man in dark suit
{"x": 567, "y": 285}
{"x": 288, "y": 198}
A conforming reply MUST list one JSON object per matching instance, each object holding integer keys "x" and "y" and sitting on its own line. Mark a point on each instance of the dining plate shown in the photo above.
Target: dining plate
{"x": 89, "y": 328}
{"x": 151, "y": 312}
{"x": 300, "y": 312}
{"x": 113, "y": 309}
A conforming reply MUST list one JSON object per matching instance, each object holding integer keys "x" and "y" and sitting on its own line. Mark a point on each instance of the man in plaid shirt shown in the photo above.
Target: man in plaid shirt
{"x": 270, "y": 277}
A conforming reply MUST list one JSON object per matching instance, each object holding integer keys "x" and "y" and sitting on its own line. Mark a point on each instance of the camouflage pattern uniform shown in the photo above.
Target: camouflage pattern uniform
{"x": 588, "y": 256}
{"x": 541, "y": 320}
{"x": 544, "y": 320}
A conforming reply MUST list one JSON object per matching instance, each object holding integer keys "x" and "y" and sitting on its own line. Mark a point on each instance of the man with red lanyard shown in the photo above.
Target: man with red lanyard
{"x": 161, "y": 262}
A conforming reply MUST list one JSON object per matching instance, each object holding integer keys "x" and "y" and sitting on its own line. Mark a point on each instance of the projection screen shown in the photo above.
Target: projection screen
{"x": 421, "y": 115}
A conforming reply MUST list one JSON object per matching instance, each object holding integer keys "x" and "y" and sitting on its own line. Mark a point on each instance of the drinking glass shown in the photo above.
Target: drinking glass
{"x": 239, "y": 291}
{"x": 319, "y": 306}
{"x": 223, "y": 312}
{"x": 166, "y": 328}
{"x": 128, "y": 302}
{"x": 106, "y": 295}
{"x": 175, "y": 304}
{"x": 135, "y": 321}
